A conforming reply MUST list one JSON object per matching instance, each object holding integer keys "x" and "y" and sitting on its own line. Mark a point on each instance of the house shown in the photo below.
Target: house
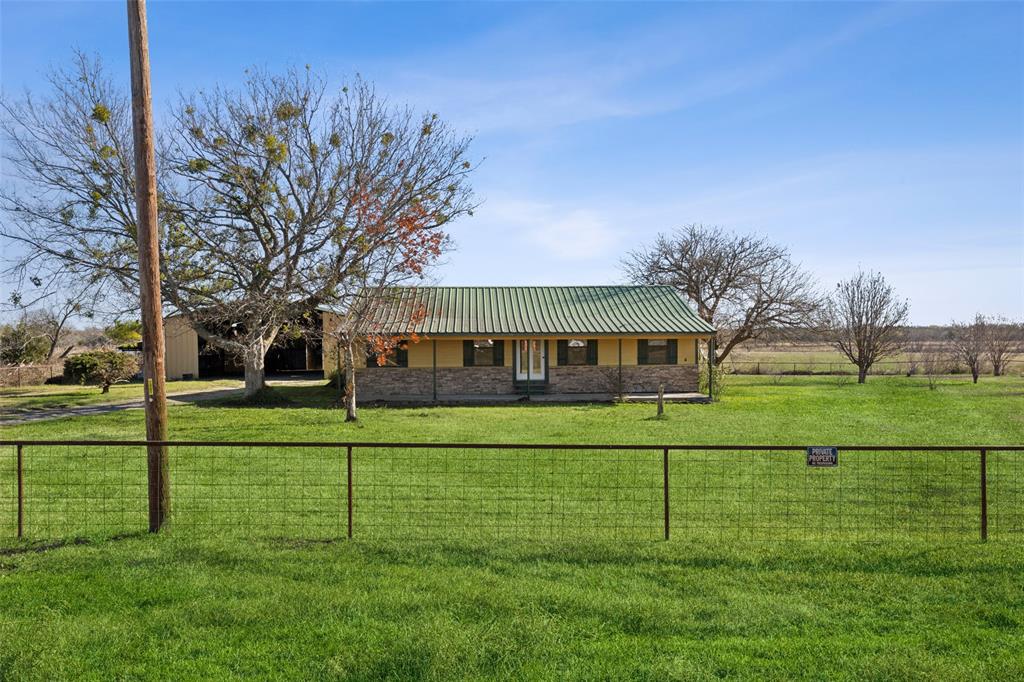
{"x": 189, "y": 356}
{"x": 487, "y": 343}
{"x": 495, "y": 342}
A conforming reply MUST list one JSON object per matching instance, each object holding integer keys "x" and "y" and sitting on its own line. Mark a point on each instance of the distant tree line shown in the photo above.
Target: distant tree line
{"x": 751, "y": 290}
{"x": 36, "y": 339}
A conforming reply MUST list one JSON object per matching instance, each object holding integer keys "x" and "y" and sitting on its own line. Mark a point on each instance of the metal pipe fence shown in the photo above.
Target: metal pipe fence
{"x": 844, "y": 368}
{"x": 17, "y": 376}
{"x": 322, "y": 490}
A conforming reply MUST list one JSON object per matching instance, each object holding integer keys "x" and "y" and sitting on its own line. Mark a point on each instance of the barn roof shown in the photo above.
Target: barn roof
{"x": 536, "y": 311}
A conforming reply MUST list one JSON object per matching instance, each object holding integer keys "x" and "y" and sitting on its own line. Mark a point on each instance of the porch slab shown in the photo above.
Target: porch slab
{"x": 549, "y": 398}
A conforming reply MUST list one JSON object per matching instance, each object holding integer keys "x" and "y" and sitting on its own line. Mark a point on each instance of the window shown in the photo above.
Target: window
{"x": 577, "y": 352}
{"x": 483, "y": 353}
{"x": 397, "y": 357}
{"x": 656, "y": 352}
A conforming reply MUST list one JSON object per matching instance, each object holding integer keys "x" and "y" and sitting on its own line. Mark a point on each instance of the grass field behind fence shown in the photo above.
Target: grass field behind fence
{"x": 816, "y": 358}
{"x": 503, "y": 494}
{"x": 15, "y": 400}
{"x": 214, "y": 603}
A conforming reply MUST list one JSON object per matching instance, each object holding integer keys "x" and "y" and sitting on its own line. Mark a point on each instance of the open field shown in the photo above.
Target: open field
{"x": 200, "y": 603}
{"x": 54, "y": 396}
{"x": 168, "y": 608}
{"x": 762, "y": 410}
{"x": 819, "y": 358}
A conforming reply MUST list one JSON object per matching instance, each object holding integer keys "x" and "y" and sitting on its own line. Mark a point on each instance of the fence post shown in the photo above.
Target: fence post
{"x": 665, "y": 479}
{"x": 349, "y": 487}
{"x": 984, "y": 495}
{"x": 21, "y": 495}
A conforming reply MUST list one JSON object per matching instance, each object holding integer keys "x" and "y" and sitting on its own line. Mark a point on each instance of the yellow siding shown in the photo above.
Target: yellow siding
{"x": 628, "y": 351}
{"x": 330, "y": 357}
{"x": 449, "y": 350}
{"x": 182, "y": 356}
{"x": 684, "y": 346}
{"x": 181, "y": 349}
{"x": 421, "y": 354}
{"x": 608, "y": 350}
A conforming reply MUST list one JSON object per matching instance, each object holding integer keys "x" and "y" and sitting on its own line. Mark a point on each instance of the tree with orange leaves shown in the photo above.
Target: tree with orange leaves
{"x": 274, "y": 199}
{"x": 358, "y": 328}
{"x": 288, "y": 200}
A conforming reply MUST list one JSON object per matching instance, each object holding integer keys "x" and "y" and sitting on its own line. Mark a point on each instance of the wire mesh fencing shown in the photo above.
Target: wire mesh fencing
{"x": 61, "y": 489}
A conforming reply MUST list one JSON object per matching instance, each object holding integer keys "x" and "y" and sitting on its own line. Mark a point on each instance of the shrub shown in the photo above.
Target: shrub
{"x": 718, "y": 376}
{"x": 335, "y": 378}
{"x": 21, "y": 345}
{"x": 102, "y": 368}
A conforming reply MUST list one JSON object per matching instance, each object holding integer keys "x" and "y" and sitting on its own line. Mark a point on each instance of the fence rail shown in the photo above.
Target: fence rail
{"x": 842, "y": 367}
{"x": 52, "y": 489}
{"x": 17, "y": 376}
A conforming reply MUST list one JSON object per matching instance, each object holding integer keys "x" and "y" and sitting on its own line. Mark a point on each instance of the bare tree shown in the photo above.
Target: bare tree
{"x": 358, "y": 326}
{"x": 967, "y": 342}
{"x": 286, "y": 197}
{"x": 69, "y": 204}
{"x": 21, "y": 344}
{"x": 53, "y": 325}
{"x": 50, "y": 312}
{"x": 1003, "y": 340}
{"x": 931, "y": 359}
{"x": 744, "y": 285}
{"x": 863, "y": 319}
{"x": 272, "y": 198}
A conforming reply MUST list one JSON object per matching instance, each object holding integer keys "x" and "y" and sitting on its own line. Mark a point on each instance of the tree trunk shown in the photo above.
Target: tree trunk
{"x": 974, "y": 374}
{"x": 997, "y": 368}
{"x": 255, "y": 378}
{"x": 351, "y": 414}
{"x": 862, "y": 374}
{"x": 105, "y": 388}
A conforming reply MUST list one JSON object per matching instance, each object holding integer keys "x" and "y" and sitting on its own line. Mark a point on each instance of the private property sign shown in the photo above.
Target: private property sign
{"x": 822, "y": 457}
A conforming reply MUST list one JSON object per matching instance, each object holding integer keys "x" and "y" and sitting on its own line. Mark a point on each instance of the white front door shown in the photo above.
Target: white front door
{"x": 530, "y": 364}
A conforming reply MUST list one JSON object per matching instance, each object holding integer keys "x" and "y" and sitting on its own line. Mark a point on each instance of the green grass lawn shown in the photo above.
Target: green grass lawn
{"x": 201, "y": 603}
{"x": 168, "y": 608}
{"x": 55, "y": 396}
{"x": 755, "y": 409}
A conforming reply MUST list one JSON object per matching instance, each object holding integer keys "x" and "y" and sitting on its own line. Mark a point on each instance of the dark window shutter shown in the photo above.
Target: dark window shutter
{"x": 592, "y": 352}
{"x": 467, "y": 353}
{"x": 371, "y": 357}
{"x": 641, "y": 352}
{"x": 696, "y": 351}
{"x": 673, "y": 351}
{"x": 499, "y": 353}
{"x": 402, "y": 357}
{"x": 562, "y": 346}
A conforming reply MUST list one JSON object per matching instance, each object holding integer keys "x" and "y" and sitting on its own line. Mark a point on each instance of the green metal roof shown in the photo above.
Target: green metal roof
{"x": 534, "y": 311}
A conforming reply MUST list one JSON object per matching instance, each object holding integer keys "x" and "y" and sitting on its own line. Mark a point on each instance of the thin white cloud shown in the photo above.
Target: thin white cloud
{"x": 544, "y": 232}
{"x": 579, "y": 235}
{"x": 570, "y": 84}
{"x": 836, "y": 212}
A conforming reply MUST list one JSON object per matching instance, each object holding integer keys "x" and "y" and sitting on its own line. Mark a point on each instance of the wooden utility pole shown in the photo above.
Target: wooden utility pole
{"x": 149, "y": 266}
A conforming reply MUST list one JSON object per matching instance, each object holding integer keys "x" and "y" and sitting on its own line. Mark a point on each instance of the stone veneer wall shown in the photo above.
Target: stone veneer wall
{"x": 635, "y": 379}
{"x": 416, "y": 383}
{"x": 399, "y": 383}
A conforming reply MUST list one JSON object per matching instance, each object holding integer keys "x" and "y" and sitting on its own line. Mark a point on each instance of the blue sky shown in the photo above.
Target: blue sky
{"x": 884, "y": 136}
